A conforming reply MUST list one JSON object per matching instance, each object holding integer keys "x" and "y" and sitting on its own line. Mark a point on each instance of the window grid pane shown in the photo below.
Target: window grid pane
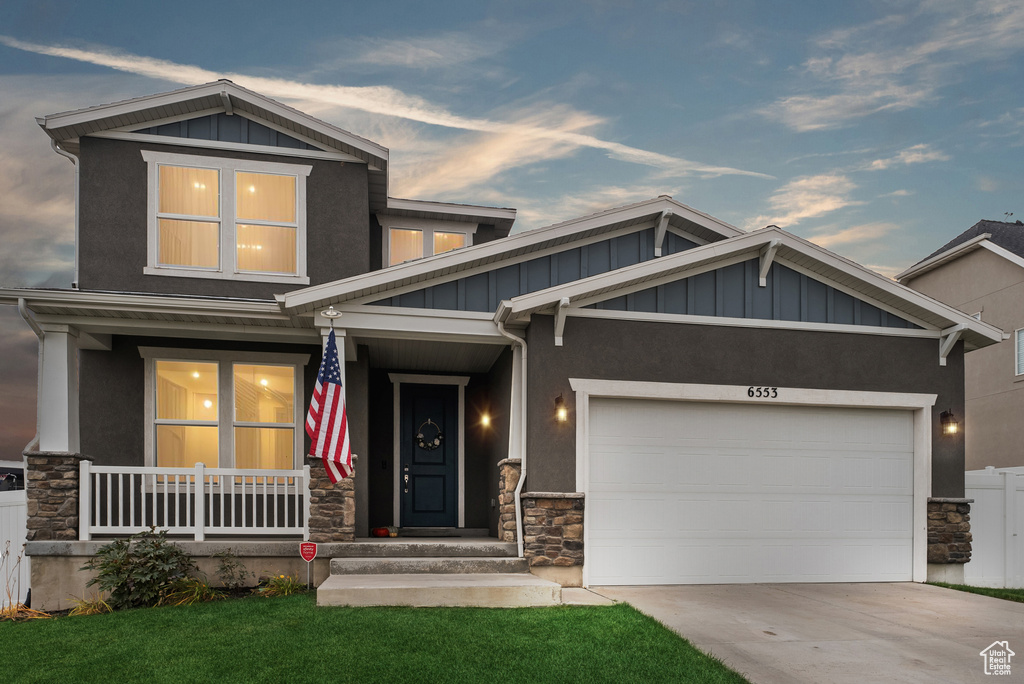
{"x": 264, "y": 448}
{"x": 265, "y": 197}
{"x": 264, "y": 394}
{"x": 188, "y": 243}
{"x": 266, "y": 249}
{"x": 446, "y": 242}
{"x": 182, "y": 446}
{"x": 186, "y": 391}
{"x": 1020, "y": 352}
{"x": 189, "y": 192}
{"x": 405, "y": 244}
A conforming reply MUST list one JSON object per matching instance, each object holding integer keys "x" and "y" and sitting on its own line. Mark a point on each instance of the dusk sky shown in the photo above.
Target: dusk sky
{"x": 878, "y": 130}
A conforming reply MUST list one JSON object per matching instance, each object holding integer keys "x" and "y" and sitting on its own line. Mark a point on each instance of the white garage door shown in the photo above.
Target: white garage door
{"x": 712, "y": 493}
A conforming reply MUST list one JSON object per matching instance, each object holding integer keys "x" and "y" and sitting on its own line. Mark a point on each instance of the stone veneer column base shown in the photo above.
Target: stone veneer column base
{"x": 949, "y": 538}
{"x": 332, "y": 507}
{"x": 553, "y": 534}
{"x": 51, "y": 490}
{"x": 509, "y": 471}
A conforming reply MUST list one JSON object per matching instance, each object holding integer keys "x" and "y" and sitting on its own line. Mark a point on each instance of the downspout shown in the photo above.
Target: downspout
{"x": 498, "y": 319}
{"x": 74, "y": 161}
{"x": 23, "y": 310}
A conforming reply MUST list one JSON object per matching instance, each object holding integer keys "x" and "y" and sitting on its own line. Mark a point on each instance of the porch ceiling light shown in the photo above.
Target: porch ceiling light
{"x": 485, "y": 419}
{"x": 950, "y": 425}
{"x": 561, "y": 411}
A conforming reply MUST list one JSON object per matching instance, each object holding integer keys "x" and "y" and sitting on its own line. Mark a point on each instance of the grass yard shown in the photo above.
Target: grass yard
{"x": 291, "y": 639}
{"x": 1005, "y": 594}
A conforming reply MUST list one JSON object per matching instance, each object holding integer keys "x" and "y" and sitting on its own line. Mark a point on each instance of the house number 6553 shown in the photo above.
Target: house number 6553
{"x": 763, "y": 392}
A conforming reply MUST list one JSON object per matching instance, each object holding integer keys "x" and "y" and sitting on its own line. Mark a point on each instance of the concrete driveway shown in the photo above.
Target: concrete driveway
{"x": 899, "y": 632}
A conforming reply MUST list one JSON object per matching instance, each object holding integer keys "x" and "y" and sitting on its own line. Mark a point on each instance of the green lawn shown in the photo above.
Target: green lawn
{"x": 292, "y": 640}
{"x": 1006, "y": 594}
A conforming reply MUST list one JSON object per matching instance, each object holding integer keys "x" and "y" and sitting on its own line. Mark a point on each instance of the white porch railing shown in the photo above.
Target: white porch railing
{"x": 196, "y": 501}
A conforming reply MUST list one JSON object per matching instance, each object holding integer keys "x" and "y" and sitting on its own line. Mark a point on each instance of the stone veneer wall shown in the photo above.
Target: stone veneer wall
{"x": 332, "y": 507}
{"x": 949, "y": 530}
{"x": 509, "y": 471}
{"x": 51, "y": 489}
{"x": 553, "y": 528}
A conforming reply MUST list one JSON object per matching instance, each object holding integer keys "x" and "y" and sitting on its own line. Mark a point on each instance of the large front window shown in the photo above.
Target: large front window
{"x": 223, "y": 409}
{"x": 226, "y": 218}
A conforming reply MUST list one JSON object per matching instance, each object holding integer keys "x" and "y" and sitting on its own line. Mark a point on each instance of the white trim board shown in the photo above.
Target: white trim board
{"x": 233, "y": 147}
{"x": 920, "y": 404}
{"x": 460, "y": 381}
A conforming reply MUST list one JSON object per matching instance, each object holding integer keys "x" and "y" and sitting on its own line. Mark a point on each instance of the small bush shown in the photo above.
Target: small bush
{"x": 189, "y": 590}
{"x": 137, "y": 571}
{"x": 281, "y": 585}
{"x": 230, "y": 571}
{"x": 94, "y": 606}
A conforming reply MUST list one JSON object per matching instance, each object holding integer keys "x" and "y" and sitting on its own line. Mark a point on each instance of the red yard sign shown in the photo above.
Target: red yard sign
{"x": 308, "y": 551}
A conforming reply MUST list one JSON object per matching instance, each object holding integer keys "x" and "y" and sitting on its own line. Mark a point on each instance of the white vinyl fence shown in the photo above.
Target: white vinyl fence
{"x": 997, "y": 525}
{"x": 14, "y": 578}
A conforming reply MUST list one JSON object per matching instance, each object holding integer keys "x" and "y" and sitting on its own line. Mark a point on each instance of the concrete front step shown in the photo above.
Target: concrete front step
{"x": 442, "y": 565}
{"x": 442, "y": 532}
{"x": 426, "y": 548}
{"x": 487, "y": 590}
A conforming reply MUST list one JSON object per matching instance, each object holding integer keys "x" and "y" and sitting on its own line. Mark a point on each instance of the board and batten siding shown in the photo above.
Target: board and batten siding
{"x": 13, "y": 518}
{"x": 225, "y": 128}
{"x": 483, "y": 291}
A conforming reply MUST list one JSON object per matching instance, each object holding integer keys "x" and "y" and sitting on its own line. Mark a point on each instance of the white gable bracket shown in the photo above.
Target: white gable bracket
{"x": 660, "y": 230}
{"x": 228, "y": 109}
{"x": 950, "y": 336}
{"x": 560, "y": 312}
{"x": 767, "y": 257}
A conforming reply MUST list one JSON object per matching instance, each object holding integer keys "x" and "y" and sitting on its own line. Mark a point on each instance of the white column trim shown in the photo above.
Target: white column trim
{"x": 460, "y": 381}
{"x": 58, "y": 390}
{"x": 920, "y": 404}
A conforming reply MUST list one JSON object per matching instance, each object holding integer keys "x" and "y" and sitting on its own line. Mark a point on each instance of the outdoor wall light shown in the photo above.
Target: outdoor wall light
{"x": 485, "y": 419}
{"x": 950, "y": 426}
{"x": 561, "y": 411}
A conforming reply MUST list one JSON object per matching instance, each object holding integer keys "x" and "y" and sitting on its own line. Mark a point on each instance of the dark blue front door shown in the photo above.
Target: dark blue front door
{"x": 429, "y": 439}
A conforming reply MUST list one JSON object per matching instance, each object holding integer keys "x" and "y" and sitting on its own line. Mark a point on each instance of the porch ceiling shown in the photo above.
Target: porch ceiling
{"x": 437, "y": 357}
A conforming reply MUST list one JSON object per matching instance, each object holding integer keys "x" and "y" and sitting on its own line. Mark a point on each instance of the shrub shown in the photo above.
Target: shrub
{"x": 136, "y": 571}
{"x": 230, "y": 571}
{"x": 189, "y": 590}
{"x": 281, "y": 585}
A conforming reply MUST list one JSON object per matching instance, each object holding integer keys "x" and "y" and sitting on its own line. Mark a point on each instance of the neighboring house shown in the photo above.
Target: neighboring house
{"x": 981, "y": 272}
{"x": 687, "y": 402}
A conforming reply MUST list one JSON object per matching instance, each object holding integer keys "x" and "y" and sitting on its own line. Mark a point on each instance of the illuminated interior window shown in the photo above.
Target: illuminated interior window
{"x": 264, "y": 416}
{"x": 186, "y": 414}
{"x": 405, "y": 244}
{"x": 266, "y": 232}
{"x": 446, "y": 242}
{"x": 188, "y": 217}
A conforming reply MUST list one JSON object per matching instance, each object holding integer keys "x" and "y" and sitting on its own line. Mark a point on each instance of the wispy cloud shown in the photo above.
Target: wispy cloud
{"x": 381, "y": 100}
{"x": 853, "y": 235}
{"x": 455, "y": 48}
{"x": 806, "y": 197}
{"x": 917, "y": 154}
{"x": 897, "y": 62}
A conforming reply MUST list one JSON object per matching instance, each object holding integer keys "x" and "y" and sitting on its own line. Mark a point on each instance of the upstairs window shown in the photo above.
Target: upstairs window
{"x": 1019, "y": 356}
{"x": 226, "y": 218}
{"x": 408, "y": 239}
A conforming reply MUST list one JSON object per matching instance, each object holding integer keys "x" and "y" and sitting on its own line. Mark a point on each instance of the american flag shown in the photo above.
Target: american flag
{"x": 326, "y": 422}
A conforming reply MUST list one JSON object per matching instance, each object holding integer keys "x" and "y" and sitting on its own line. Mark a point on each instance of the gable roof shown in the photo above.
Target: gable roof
{"x": 450, "y": 264}
{"x": 790, "y": 249}
{"x": 65, "y": 128}
{"x": 1006, "y": 237}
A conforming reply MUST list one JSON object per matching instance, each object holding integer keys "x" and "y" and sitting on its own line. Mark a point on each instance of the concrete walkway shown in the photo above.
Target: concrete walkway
{"x": 900, "y": 632}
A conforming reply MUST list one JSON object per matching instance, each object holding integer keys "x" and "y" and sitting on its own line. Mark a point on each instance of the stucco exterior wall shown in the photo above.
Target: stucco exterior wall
{"x": 987, "y": 283}
{"x": 669, "y": 352}
{"x": 113, "y": 222}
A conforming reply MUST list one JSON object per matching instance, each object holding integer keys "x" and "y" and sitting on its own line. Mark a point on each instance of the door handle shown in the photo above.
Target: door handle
{"x": 407, "y": 478}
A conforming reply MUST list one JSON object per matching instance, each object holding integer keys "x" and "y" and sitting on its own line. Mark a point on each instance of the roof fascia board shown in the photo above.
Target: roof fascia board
{"x": 751, "y": 323}
{"x": 139, "y": 303}
{"x": 472, "y": 211}
{"x": 182, "y": 329}
{"x": 949, "y": 255}
{"x": 335, "y": 155}
{"x": 1003, "y": 252}
{"x": 706, "y": 220}
{"x": 417, "y": 324}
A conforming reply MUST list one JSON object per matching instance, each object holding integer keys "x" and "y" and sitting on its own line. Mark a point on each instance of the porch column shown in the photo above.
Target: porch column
{"x": 58, "y": 390}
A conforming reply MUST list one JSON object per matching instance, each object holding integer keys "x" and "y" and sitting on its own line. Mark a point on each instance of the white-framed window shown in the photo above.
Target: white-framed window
{"x": 1018, "y": 356}
{"x": 406, "y": 239}
{"x": 223, "y": 409}
{"x": 212, "y": 217}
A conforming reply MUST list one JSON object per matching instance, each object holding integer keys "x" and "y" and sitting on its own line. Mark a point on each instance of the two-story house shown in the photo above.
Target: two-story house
{"x": 981, "y": 272}
{"x": 645, "y": 395}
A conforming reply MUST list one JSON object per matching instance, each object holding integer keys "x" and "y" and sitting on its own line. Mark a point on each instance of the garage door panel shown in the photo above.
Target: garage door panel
{"x": 827, "y": 498}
